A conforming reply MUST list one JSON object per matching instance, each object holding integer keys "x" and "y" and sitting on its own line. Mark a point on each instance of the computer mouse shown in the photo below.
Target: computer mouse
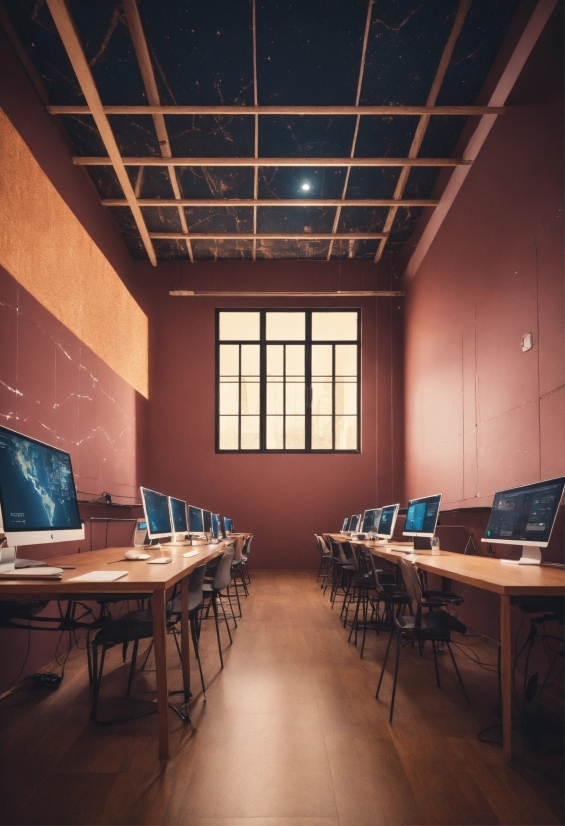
{"x": 133, "y": 554}
{"x": 144, "y": 556}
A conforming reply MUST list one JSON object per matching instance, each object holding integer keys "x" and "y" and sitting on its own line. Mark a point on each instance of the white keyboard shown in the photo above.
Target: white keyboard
{"x": 191, "y": 553}
{"x": 99, "y": 576}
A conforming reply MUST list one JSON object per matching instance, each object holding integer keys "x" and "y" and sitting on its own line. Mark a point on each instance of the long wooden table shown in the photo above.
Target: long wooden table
{"x": 489, "y": 575}
{"x": 153, "y": 580}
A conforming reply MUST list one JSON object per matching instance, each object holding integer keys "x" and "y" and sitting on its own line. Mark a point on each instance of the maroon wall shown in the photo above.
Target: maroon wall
{"x": 481, "y": 415}
{"x": 282, "y": 499}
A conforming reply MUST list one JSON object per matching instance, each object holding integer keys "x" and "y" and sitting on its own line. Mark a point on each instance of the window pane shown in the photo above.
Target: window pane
{"x": 275, "y": 397}
{"x": 321, "y": 359}
{"x": 250, "y": 359}
{"x": 321, "y": 432}
{"x": 229, "y": 360}
{"x": 295, "y": 433}
{"x": 345, "y": 397}
{"x": 275, "y": 355}
{"x": 250, "y": 433}
{"x": 228, "y": 433}
{"x": 229, "y": 398}
{"x": 295, "y": 402}
{"x": 295, "y": 360}
{"x": 275, "y": 433}
{"x": 249, "y": 398}
{"x": 346, "y": 432}
{"x": 286, "y": 326}
{"x": 239, "y": 326}
{"x": 334, "y": 326}
{"x": 321, "y": 398}
{"x": 346, "y": 360}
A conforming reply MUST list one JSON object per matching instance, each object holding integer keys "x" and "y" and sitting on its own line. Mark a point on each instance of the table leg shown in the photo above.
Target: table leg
{"x": 184, "y": 639}
{"x": 506, "y": 658}
{"x": 160, "y": 643}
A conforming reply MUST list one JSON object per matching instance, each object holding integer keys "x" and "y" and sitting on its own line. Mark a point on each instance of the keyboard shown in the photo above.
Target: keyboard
{"x": 191, "y": 553}
{"x": 99, "y": 576}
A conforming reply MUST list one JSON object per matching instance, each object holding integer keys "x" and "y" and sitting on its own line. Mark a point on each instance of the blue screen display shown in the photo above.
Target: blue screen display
{"x": 157, "y": 510}
{"x": 178, "y": 512}
{"x": 207, "y": 519}
{"x": 385, "y": 526}
{"x": 215, "y": 525}
{"x": 228, "y": 523}
{"x": 368, "y": 521}
{"x": 37, "y": 489}
{"x": 422, "y": 514}
{"x": 195, "y": 521}
{"x": 525, "y": 514}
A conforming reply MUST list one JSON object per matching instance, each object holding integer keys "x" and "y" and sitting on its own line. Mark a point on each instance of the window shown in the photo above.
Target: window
{"x": 287, "y": 380}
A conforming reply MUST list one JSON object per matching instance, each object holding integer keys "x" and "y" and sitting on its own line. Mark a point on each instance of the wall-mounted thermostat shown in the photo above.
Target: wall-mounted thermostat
{"x": 527, "y": 342}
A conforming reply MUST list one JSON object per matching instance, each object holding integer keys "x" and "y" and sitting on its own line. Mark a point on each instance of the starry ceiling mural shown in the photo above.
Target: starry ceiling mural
{"x": 259, "y": 141}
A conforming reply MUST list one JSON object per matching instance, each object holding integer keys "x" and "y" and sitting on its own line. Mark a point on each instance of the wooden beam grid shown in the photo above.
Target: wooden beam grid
{"x": 292, "y": 111}
{"x": 99, "y": 160}
{"x": 272, "y": 202}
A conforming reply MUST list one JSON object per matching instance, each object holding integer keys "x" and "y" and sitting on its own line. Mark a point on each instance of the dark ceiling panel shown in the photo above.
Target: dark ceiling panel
{"x": 162, "y": 219}
{"x": 217, "y": 250}
{"x": 220, "y": 219}
{"x": 155, "y": 183}
{"x": 372, "y": 182}
{"x": 363, "y": 250}
{"x": 404, "y": 223}
{"x": 317, "y": 250}
{"x": 307, "y": 219}
{"x": 215, "y": 182}
{"x": 287, "y": 182}
{"x": 212, "y": 137}
{"x": 135, "y": 135}
{"x": 303, "y": 137}
{"x": 84, "y": 135}
{"x": 170, "y": 250}
{"x": 309, "y": 52}
{"x": 362, "y": 219}
{"x": 106, "y": 181}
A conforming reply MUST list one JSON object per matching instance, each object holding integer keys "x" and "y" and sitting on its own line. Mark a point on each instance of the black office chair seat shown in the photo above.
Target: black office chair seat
{"x": 367, "y": 580}
{"x": 438, "y": 598}
{"x": 437, "y": 625}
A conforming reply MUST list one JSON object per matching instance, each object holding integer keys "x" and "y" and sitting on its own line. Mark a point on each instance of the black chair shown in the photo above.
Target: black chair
{"x": 343, "y": 564}
{"x": 213, "y": 591}
{"x": 195, "y": 600}
{"x": 435, "y": 626}
{"x": 325, "y": 559}
{"x": 245, "y": 551}
{"x": 362, "y": 582}
{"x": 393, "y": 597}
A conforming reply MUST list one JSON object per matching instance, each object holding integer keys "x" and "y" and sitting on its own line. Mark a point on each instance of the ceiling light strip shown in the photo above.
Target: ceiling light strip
{"x": 69, "y": 35}
{"x": 418, "y": 139}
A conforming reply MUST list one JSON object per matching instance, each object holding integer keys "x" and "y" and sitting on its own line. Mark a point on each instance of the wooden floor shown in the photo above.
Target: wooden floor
{"x": 290, "y": 735}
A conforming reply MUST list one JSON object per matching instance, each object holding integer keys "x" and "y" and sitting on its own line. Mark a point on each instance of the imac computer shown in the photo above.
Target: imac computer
{"x": 215, "y": 525}
{"x": 368, "y": 520}
{"x": 195, "y": 519}
{"x": 354, "y": 523}
{"x": 345, "y": 527}
{"x": 385, "y": 526}
{"x": 228, "y": 524}
{"x": 207, "y": 521}
{"x": 525, "y": 516}
{"x": 421, "y": 519}
{"x": 38, "y": 500}
{"x": 157, "y": 515}
{"x": 179, "y": 522}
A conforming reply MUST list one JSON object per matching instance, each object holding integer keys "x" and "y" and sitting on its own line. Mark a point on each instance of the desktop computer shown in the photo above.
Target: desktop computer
{"x": 421, "y": 521}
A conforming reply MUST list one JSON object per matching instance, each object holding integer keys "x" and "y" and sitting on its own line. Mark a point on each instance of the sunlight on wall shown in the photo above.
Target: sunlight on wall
{"x": 48, "y": 251}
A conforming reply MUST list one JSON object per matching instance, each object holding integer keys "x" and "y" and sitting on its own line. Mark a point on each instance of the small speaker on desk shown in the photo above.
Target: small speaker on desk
{"x": 422, "y": 543}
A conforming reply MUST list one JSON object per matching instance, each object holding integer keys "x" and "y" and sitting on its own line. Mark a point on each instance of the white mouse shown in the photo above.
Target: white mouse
{"x": 133, "y": 554}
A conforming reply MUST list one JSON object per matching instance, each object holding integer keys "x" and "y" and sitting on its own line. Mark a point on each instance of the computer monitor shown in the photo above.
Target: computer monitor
{"x": 216, "y": 525}
{"x": 195, "y": 519}
{"x": 38, "y": 500}
{"x": 222, "y": 527}
{"x": 368, "y": 517}
{"x": 179, "y": 521}
{"x": 354, "y": 523}
{"x": 228, "y": 524}
{"x": 207, "y": 521}
{"x": 421, "y": 518}
{"x": 525, "y": 516}
{"x": 345, "y": 524}
{"x": 387, "y": 521}
{"x": 157, "y": 514}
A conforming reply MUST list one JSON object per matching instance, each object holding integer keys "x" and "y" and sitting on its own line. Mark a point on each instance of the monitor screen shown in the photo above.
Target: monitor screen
{"x": 156, "y": 507}
{"x": 387, "y": 521}
{"x": 195, "y": 520}
{"x": 215, "y": 525}
{"x": 37, "y": 491}
{"x": 354, "y": 522}
{"x": 525, "y": 515}
{"x": 222, "y": 527}
{"x": 229, "y": 524}
{"x": 207, "y": 519}
{"x": 345, "y": 523}
{"x": 178, "y": 515}
{"x": 421, "y": 518}
{"x": 368, "y": 519}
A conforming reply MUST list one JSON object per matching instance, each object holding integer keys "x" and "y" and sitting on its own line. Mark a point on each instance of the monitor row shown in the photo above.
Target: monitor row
{"x": 519, "y": 516}
{"x": 166, "y": 516}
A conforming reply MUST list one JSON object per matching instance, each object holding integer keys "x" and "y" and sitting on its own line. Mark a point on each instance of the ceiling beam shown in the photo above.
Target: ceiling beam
{"x": 148, "y": 76}
{"x": 292, "y": 111}
{"x": 268, "y": 236}
{"x": 81, "y": 160}
{"x": 526, "y": 42}
{"x": 256, "y": 131}
{"x": 288, "y": 293}
{"x": 418, "y": 139}
{"x": 69, "y": 35}
{"x": 272, "y": 202}
{"x": 357, "y": 121}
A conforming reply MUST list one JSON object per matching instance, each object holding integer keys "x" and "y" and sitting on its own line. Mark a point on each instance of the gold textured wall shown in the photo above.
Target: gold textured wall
{"x": 48, "y": 251}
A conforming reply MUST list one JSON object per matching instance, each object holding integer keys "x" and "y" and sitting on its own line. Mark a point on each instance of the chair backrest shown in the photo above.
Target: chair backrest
{"x": 222, "y": 576}
{"x": 334, "y": 545}
{"x": 321, "y": 545}
{"x": 346, "y": 554}
{"x": 245, "y": 551}
{"x": 195, "y": 582}
{"x": 411, "y": 583}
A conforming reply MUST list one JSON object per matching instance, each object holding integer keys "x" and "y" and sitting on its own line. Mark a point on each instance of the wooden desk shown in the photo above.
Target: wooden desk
{"x": 154, "y": 580}
{"x": 489, "y": 575}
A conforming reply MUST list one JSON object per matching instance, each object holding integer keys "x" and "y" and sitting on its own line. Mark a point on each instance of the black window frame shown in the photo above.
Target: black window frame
{"x": 262, "y": 342}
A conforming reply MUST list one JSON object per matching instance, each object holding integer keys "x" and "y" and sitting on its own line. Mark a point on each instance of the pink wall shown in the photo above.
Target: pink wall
{"x": 480, "y": 414}
{"x": 282, "y": 499}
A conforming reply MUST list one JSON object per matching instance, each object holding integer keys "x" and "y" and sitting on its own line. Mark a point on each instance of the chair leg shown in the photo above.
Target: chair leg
{"x": 435, "y": 663}
{"x": 132, "y": 667}
{"x": 215, "y": 609}
{"x": 194, "y": 632}
{"x": 384, "y": 662}
{"x": 226, "y": 618}
{"x": 237, "y": 598}
{"x": 97, "y": 680}
{"x": 458, "y": 674}
{"x": 395, "y": 675}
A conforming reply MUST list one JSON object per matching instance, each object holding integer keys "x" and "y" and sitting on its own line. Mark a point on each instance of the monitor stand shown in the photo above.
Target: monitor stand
{"x": 178, "y": 541}
{"x": 531, "y": 555}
